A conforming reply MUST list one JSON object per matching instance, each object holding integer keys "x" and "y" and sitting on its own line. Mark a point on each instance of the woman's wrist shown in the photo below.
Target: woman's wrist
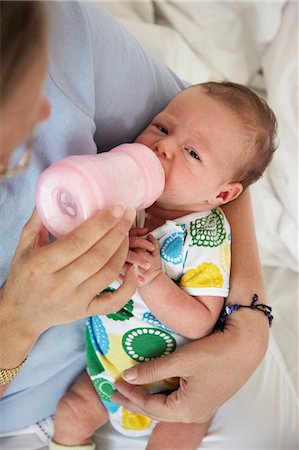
{"x": 14, "y": 351}
{"x": 8, "y": 375}
{"x": 251, "y": 331}
{"x": 255, "y": 305}
{"x": 16, "y": 341}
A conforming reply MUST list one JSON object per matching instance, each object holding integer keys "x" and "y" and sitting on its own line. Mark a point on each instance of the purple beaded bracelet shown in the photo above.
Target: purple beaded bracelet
{"x": 227, "y": 311}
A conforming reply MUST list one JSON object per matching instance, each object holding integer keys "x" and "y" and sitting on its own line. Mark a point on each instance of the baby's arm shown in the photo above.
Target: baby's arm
{"x": 191, "y": 316}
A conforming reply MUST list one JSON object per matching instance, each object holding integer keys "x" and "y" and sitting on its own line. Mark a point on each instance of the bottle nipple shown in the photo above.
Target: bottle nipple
{"x": 66, "y": 203}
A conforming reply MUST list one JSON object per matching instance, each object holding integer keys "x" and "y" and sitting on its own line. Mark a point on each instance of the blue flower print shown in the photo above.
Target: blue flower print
{"x": 172, "y": 247}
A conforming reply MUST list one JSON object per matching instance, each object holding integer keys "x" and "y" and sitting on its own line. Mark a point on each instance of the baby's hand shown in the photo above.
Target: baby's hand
{"x": 153, "y": 262}
{"x": 140, "y": 249}
{"x": 145, "y": 253}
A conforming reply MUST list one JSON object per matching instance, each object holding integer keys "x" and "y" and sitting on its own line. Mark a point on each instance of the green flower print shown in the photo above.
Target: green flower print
{"x": 208, "y": 231}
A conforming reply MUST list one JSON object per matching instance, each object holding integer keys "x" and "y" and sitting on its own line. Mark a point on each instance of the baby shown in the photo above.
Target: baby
{"x": 213, "y": 140}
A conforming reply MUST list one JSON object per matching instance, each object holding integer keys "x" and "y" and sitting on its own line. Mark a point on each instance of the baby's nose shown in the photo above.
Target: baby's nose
{"x": 164, "y": 148}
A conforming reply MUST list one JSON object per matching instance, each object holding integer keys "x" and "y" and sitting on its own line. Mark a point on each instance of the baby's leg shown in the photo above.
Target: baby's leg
{"x": 79, "y": 414}
{"x": 181, "y": 436}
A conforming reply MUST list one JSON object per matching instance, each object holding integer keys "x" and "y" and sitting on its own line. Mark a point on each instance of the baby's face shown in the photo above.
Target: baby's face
{"x": 198, "y": 142}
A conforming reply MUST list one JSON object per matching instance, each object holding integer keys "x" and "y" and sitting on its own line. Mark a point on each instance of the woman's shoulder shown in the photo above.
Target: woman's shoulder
{"x": 101, "y": 68}
{"x": 70, "y": 61}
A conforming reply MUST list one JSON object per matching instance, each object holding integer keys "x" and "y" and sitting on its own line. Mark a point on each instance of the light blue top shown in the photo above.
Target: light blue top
{"x": 104, "y": 89}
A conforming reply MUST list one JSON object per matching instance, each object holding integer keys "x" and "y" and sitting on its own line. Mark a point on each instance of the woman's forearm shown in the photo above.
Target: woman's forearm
{"x": 246, "y": 280}
{"x": 246, "y": 272}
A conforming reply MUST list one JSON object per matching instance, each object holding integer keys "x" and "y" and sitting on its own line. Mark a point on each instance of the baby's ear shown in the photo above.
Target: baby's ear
{"x": 229, "y": 192}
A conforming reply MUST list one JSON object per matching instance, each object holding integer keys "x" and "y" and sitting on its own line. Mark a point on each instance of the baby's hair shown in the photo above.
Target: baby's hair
{"x": 259, "y": 121}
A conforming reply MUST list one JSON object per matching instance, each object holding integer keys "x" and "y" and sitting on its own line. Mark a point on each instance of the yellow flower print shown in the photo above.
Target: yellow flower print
{"x": 116, "y": 360}
{"x": 205, "y": 275}
{"x": 225, "y": 257}
{"x": 132, "y": 421}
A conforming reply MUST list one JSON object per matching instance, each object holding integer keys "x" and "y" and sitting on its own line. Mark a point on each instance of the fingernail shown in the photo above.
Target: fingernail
{"x": 136, "y": 270}
{"x": 130, "y": 213}
{"x": 130, "y": 375}
{"x": 117, "y": 211}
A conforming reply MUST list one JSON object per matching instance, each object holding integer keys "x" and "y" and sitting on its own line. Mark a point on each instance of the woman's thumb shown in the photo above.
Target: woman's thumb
{"x": 152, "y": 371}
{"x": 34, "y": 233}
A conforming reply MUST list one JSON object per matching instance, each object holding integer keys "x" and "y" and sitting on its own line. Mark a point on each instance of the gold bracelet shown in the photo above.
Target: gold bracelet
{"x": 54, "y": 446}
{"x": 7, "y": 375}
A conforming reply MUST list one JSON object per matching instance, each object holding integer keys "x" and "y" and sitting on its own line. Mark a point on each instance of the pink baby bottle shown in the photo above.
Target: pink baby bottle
{"x": 75, "y": 188}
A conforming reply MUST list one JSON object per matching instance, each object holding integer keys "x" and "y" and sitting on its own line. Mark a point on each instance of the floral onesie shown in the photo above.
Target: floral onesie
{"x": 195, "y": 253}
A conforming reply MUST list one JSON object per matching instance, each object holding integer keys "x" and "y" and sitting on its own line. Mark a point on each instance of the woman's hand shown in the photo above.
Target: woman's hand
{"x": 51, "y": 284}
{"x": 211, "y": 370}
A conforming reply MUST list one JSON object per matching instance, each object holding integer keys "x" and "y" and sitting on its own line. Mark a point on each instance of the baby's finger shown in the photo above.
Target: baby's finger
{"x": 123, "y": 272}
{"x": 125, "y": 268}
{"x": 141, "y": 281}
{"x": 142, "y": 260}
{"x": 153, "y": 240}
{"x": 138, "y": 231}
{"x": 120, "y": 278}
{"x": 155, "y": 243}
{"x": 141, "y": 242}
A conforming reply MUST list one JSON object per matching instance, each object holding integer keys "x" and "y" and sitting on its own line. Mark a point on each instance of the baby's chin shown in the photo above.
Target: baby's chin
{"x": 171, "y": 208}
{"x": 167, "y": 211}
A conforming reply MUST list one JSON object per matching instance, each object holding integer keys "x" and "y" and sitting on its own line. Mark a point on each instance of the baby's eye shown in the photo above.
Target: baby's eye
{"x": 193, "y": 153}
{"x": 163, "y": 129}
